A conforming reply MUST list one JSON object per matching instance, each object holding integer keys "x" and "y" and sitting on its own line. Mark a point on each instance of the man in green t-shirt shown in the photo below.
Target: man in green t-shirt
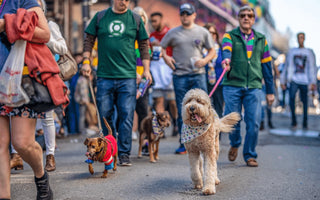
{"x": 116, "y": 30}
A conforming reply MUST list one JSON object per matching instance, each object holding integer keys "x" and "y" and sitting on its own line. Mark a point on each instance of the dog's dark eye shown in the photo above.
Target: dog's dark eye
{"x": 93, "y": 146}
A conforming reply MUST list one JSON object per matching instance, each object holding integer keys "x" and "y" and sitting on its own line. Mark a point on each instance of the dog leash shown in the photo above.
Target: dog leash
{"x": 95, "y": 104}
{"x": 218, "y": 82}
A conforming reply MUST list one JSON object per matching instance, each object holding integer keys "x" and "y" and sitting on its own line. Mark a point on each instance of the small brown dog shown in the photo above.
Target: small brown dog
{"x": 103, "y": 150}
{"x": 153, "y": 127}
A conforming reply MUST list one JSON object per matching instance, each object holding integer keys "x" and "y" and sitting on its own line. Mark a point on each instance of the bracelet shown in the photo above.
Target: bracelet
{"x": 87, "y": 61}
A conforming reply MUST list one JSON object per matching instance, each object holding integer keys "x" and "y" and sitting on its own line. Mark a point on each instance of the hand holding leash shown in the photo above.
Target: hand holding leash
{"x": 226, "y": 64}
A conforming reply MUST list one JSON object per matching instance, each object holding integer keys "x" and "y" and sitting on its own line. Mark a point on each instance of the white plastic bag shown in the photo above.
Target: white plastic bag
{"x": 11, "y": 92}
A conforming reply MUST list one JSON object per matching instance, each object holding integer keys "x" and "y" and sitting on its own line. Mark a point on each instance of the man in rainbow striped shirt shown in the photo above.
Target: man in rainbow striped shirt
{"x": 247, "y": 60}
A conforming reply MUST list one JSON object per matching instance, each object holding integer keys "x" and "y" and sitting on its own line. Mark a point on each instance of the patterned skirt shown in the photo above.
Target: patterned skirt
{"x": 21, "y": 111}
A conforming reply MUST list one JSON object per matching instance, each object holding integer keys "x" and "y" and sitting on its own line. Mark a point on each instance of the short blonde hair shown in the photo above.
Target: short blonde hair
{"x": 138, "y": 10}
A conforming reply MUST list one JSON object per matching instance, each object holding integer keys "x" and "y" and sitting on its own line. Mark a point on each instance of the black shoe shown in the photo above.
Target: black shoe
{"x": 124, "y": 160}
{"x": 175, "y": 131}
{"x": 261, "y": 126}
{"x": 270, "y": 125}
{"x": 305, "y": 126}
{"x": 44, "y": 191}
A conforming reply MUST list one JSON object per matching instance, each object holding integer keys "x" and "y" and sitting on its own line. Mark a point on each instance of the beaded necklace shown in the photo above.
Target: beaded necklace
{"x": 2, "y": 2}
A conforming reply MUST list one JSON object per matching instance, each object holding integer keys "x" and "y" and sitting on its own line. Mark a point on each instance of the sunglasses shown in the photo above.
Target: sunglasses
{"x": 185, "y": 13}
{"x": 213, "y": 33}
{"x": 248, "y": 15}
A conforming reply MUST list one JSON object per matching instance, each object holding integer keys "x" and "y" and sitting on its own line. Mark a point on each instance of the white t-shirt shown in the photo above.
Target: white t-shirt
{"x": 300, "y": 67}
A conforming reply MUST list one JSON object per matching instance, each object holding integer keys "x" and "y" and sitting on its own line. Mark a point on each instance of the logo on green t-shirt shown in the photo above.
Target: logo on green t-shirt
{"x": 117, "y": 28}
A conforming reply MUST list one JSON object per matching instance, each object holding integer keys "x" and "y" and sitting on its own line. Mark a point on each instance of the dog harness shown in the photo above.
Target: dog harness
{"x": 157, "y": 129}
{"x": 189, "y": 133}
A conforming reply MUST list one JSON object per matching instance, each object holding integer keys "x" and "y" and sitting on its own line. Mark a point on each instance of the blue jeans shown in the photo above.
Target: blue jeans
{"x": 250, "y": 99}
{"x": 122, "y": 94}
{"x": 182, "y": 84}
{"x": 294, "y": 87}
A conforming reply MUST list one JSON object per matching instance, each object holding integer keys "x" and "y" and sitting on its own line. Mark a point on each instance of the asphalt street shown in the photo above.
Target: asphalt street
{"x": 288, "y": 169}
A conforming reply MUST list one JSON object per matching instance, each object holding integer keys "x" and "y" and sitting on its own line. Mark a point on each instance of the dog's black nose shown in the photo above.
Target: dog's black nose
{"x": 192, "y": 108}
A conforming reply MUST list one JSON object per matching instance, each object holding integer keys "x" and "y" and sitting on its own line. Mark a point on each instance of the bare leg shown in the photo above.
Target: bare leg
{"x": 173, "y": 109}
{"x": 159, "y": 104}
{"x": 23, "y": 140}
{"x": 4, "y": 158}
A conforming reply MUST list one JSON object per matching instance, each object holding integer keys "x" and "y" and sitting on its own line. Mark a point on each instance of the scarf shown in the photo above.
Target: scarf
{"x": 189, "y": 133}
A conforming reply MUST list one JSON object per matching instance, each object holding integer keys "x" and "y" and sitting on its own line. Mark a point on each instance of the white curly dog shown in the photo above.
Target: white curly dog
{"x": 200, "y": 134}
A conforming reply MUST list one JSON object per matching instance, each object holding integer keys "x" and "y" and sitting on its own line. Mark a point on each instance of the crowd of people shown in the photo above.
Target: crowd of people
{"x": 171, "y": 61}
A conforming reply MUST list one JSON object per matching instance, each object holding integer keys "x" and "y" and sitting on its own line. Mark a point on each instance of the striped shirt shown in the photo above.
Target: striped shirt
{"x": 227, "y": 46}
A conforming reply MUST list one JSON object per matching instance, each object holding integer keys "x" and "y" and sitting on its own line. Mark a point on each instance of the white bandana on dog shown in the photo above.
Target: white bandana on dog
{"x": 189, "y": 133}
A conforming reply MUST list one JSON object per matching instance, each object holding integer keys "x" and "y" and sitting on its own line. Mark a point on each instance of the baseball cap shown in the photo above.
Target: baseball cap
{"x": 187, "y": 7}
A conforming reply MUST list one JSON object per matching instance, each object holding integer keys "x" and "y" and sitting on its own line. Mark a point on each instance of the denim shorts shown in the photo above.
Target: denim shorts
{"x": 167, "y": 94}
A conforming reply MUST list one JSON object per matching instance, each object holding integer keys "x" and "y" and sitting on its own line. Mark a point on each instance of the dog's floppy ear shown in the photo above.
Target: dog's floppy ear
{"x": 100, "y": 141}
{"x": 86, "y": 141}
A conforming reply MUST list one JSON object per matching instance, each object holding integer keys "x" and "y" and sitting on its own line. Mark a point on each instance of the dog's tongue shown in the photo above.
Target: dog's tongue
{"x": 198, "y": 118}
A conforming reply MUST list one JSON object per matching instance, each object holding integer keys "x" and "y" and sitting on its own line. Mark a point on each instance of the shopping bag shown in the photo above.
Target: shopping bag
{"x": 11, "y": 93}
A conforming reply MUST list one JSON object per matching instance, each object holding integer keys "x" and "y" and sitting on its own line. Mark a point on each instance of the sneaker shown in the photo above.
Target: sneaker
{"x": 293, "y": 127}
{"x": 145, "y": 150}
{"x": 181, "y": 150}
{"x": 134, "y": 135}
{"x": 233, "y": 153}
{"x": 124, "y": 160}
{"x": 44, "y": 191}
{"x": 270, "y": 125}
{"x": 251, "y": 162}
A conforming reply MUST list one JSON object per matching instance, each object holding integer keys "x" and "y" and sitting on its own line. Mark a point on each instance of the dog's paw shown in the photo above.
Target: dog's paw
{"x": 209, "y": 191}
{"x": 198, "y": 186}
{"x": 217, "y": 181}
{"x": 91, "y": 170}
{"x": 104, "y": 176}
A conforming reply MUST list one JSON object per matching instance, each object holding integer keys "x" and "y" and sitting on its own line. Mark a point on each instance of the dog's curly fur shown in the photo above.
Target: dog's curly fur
{"x": 197, "y": 110}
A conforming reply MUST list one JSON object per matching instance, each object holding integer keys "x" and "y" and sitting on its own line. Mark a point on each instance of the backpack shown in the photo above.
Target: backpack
{"x": 136, "y": 17}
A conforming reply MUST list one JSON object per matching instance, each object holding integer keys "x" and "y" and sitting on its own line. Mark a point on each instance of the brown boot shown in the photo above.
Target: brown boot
{"x": 251, "y": 162}
{"x": 16, "y": 162}
{"x": 233, "y": 153}
{"x": 50, "y": 163}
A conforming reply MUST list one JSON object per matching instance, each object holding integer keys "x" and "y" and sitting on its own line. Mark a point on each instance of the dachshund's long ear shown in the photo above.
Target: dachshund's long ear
{"x": 86, "y": 141}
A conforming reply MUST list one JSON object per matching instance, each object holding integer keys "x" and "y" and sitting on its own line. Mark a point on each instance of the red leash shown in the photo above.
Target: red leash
{"x": 218, "y": 82}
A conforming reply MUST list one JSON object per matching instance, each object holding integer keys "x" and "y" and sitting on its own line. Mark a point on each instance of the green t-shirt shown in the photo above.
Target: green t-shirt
{"x": 116, "y": 35}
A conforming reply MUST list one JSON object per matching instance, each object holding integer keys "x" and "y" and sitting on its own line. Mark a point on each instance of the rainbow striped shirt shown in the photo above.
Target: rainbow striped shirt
{"x": 227, "y": 46}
